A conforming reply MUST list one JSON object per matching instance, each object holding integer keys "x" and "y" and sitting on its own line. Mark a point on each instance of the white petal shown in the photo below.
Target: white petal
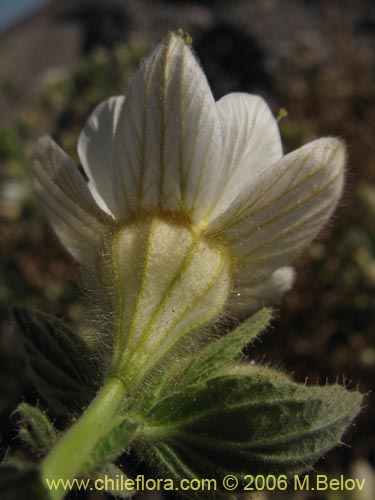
{"x": 269, "y": 224}
{"x": 95, "y": 146}
{"x": 70, "y": 207}
{"x": 168, "y": 136}
{"x": 251, "y": 144}
{"x": 245, "y": 299}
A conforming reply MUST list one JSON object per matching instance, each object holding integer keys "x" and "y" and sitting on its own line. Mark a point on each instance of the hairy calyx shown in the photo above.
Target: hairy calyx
{"x": 168, "y": 281}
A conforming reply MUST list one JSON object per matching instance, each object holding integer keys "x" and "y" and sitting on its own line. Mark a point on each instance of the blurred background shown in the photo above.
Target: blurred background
{"x": 59, "y": 58}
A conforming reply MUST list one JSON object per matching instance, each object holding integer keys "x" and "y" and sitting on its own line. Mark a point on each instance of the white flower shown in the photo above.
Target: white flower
{"x": 215, "y": 170}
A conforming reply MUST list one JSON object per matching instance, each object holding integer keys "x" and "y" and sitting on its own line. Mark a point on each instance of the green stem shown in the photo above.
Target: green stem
{"x": 66, "y": 459}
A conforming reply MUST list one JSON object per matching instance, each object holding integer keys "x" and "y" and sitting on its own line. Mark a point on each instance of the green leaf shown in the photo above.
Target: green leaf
{"x": 62, "y": 366}
{"x": 218, "y": 354}
{"x": 112, "y": 444}
{"x": 255, "y": 422}
{"x": 35, "y": 428}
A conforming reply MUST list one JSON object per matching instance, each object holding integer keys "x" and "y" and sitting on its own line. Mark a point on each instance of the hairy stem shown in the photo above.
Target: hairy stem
{"x": 67, "y": 458}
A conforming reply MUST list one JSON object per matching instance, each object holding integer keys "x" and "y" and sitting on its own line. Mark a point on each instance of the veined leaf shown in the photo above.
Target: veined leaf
{"x": 255, "y": 422}
{"x": 62, "y": 366}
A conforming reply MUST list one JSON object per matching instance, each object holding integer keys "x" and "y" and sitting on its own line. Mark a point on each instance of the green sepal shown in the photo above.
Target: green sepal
{"x": 209, "y": 361}
{"x": 35, "y": 428}
{"x": 153, "y": 390}
{"x": 62, "y": 367}
{"x": 111, "y": 471}
{"x": 161, "y": 381}
{"x": 218, "y": 354}
{"x": 113, "y": 444}
{"x": 257, "y": 422}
